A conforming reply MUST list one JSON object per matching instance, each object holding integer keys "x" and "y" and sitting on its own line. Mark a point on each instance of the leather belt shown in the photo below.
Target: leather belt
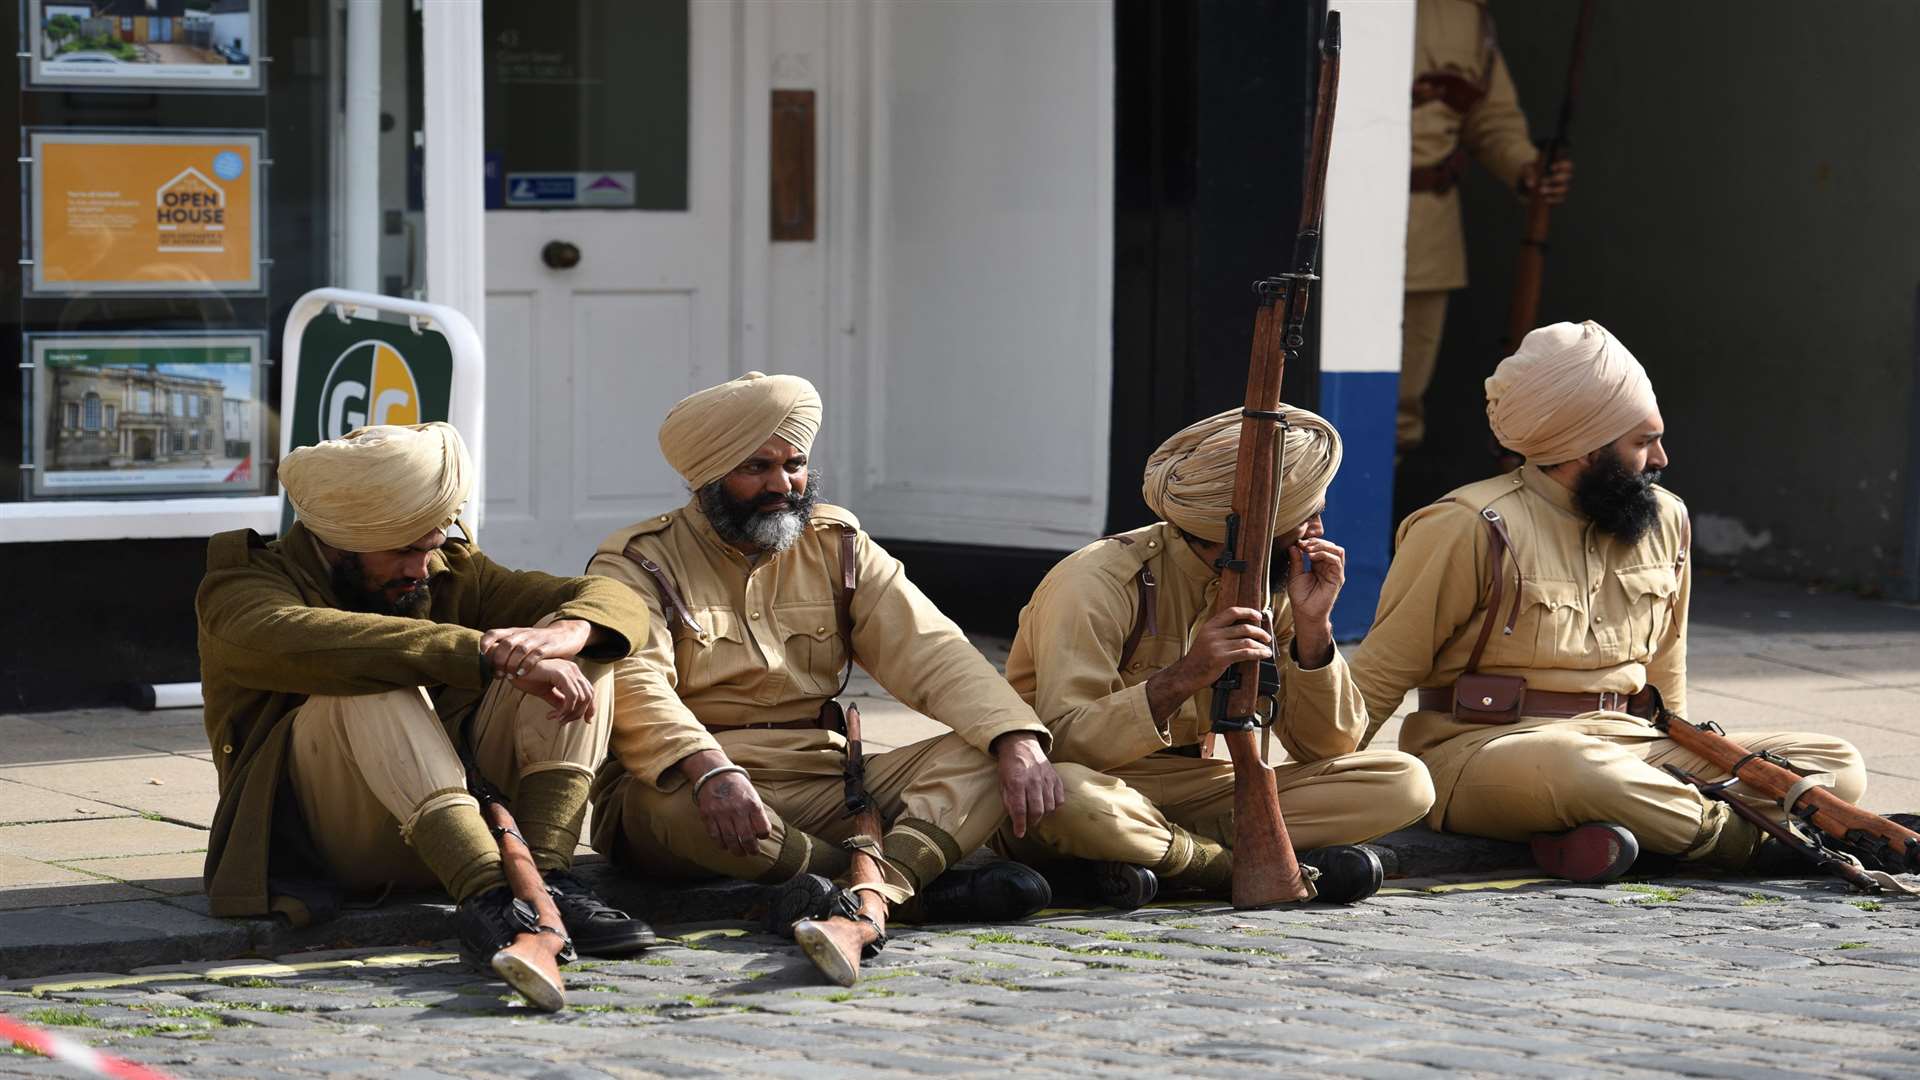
{"x": 1552, "y": 704}
{"x": 1191, "y": 750}
{"x": 1439, "y": 177}
{"x": 810, "y": 723}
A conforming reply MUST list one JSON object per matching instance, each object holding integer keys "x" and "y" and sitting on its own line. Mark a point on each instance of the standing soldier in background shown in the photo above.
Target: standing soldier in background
{"x": 1463, "y": 103}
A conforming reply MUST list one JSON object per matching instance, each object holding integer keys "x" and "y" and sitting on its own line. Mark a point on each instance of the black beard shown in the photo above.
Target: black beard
{"x": 771, "y": 523}
{"x": 1621, "y": 503}
{"x": 350, "y": 588}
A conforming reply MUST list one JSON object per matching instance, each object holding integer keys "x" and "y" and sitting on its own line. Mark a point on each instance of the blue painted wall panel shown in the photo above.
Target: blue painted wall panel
{"x": 1360, "y": 505}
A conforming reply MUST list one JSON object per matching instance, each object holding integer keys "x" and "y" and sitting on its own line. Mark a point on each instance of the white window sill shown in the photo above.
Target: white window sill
{"x": 41, "y": 522}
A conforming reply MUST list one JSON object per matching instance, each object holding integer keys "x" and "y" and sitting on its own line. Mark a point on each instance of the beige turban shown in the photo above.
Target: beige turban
{"x": 710, "y": 432}
{"x": 1571, "y": 388}
{"x": 1190, "y": 478}
{"x": 380, "y": 488}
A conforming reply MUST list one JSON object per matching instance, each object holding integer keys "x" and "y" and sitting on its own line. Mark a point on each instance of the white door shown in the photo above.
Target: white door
{"x": 610, "y": 128}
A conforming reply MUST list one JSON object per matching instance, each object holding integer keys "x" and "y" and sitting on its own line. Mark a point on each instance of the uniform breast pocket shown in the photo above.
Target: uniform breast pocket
{"x": 810, "y": 637}
{"x": 1650, "y": 592}
{"x": 716, "y": 653}
{"x": 1552, "y": 617}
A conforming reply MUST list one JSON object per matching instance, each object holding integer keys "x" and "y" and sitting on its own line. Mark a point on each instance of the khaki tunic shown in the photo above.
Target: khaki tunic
{"x": 1066, "y": 661}
{"x": 769, "y": 650}
{"x": 271, "y": 635}
{"x": 1596, "y": 614}
{"x": 1456, "y": 36}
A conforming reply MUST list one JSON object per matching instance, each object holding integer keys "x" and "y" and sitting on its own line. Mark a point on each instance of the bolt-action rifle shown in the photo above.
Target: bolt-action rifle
{"x": 1264, "y": 868}
{"x": 1532, "y": 264}
{"x": 859, "y": 927}
{"x": 1830, "y": 832}
{"x": 531, "y": 964}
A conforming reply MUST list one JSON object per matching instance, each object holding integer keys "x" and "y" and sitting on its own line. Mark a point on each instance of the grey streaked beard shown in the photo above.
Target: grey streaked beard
{"x": 739, "y": 522}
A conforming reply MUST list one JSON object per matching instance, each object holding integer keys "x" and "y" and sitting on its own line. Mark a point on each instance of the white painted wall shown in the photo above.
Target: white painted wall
{"x": 956, "y": 310}
{"x": 1365, "y": 256}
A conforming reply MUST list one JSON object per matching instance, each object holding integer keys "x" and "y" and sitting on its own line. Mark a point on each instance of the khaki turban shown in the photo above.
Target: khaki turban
{"x": 380, "y": 488}
{"x": 1190, "y": 478}
{"x": 710, "y": 432}
{"x": 1570, "y": 389}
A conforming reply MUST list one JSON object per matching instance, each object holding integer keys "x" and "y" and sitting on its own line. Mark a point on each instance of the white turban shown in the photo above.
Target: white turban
{"x": 709, "y": 433}
{"x": 1189, "y": 480}
{"x": 1570, "y": 389}
{"x": 379, "y": 488}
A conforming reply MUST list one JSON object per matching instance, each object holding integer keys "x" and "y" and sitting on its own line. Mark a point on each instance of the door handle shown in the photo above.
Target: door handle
{"x": 560, "y": 255}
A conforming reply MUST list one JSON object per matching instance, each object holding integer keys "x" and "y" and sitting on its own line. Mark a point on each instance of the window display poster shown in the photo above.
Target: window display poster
{"x": 153, "y": 414}
{"x": 157, "y": 211}
{"x": 144, "y": 44}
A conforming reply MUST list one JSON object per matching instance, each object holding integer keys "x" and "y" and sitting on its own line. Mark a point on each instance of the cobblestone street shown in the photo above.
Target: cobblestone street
{"x": 1694, "y": 978}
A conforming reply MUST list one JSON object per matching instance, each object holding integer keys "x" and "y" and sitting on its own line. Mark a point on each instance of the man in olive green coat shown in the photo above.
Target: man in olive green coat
{"x": 350, "y": 666}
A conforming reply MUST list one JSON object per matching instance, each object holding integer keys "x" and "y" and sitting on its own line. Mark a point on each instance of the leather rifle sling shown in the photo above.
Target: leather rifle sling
{"x": 676, "y": 608}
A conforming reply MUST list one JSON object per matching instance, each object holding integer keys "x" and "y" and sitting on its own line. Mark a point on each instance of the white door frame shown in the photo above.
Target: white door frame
{"x": 452, "y": 46}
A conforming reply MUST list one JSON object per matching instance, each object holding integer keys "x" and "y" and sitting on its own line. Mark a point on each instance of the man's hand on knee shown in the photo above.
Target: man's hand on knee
{"x": 513, "y": 651}
{"x": 1029, "y": 786}
{"x": 561, "y": 684}
{"x": 729, "y": 806}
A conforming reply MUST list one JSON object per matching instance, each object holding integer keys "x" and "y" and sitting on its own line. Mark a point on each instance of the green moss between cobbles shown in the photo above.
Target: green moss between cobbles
{"x": 248, "y": 982}
{"x": 1866, "y": 905}
{"x": 1654, "y": 894}
{"x": 1851, "y": 945}
{"x": 1760, "y": 900}
{"x": 63, "y": 1018}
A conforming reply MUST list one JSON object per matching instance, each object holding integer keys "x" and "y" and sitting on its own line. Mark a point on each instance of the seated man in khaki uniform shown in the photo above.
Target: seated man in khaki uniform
{"x": 761, "y": 597}
{"x": 1579, "y": 559}
{"x": 345, "y": 662}
{"x": 1118, "y": 652}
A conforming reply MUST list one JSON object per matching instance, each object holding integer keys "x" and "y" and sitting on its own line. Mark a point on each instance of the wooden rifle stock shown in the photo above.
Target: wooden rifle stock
{"x": 1867, "y": 835}
{"x": 1264, "y": 868}
{"x": 836, "y": 943}
{"x": 1531, "y": 266}
{"x": 531, "y": 965}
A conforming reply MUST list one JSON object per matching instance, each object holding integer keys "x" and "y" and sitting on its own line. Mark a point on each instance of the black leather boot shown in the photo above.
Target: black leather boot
{"x": 806, "y": 896}
{"x": 997, "y": 892}
{"x": 1349, "y": 873}
{"x": 1124, "y": 886}
{"x": 596, "y": 929}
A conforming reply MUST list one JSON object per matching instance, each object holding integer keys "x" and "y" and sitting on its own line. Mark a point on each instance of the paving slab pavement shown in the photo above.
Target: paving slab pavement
{"x": 107, "y": 809}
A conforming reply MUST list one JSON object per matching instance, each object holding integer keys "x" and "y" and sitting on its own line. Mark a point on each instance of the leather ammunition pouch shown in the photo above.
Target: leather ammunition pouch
{"x": 1488, "y": 699}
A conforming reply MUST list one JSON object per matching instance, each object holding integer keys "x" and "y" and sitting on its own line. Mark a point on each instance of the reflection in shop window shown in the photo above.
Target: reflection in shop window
{"x": 93, "y": 411}
{"x": 113, "y": 417}
{"x": 73, "y": 416}
{"x": 143, "y": 402}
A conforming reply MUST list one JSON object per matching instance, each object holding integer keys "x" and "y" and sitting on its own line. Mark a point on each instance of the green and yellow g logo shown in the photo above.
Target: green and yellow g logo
{"x": 370, "y": 383}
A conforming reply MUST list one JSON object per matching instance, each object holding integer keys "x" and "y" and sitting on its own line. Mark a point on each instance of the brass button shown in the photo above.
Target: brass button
{"x": 819, "y": 629}
{"x": 1598, "y": 620}
{"x": 664, "y": 517}
{"x": 753, "y": 615}
{"x": 1153, "y": 543}
{"x": 1486, "y": 701}
{"x": 227, "y": 749}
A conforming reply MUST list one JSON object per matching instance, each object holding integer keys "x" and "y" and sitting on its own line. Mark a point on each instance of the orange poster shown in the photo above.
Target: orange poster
{"x": 167, "y": 212}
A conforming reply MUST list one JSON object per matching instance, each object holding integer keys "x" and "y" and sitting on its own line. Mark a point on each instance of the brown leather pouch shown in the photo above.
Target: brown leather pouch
{"x": 1488, "y": 699}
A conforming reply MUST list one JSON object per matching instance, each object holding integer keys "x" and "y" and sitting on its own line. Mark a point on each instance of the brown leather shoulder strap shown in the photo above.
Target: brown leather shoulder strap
{"x": 676, "y": 608}
{"x": 1144, "y": 617}
{"x": 1686, "y": 541}
{"x": 849, "y": 577}
{"x": 1500, "y": 544}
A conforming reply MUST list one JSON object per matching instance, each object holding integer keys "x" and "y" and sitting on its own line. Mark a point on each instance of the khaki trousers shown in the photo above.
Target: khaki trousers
{"x": 1545, "y": 780}
{"x": 1127, "y": 815}
{"x": 1425, "y": 318}
{"x": 365, "y": 768}
{"x": 940, "y": 797}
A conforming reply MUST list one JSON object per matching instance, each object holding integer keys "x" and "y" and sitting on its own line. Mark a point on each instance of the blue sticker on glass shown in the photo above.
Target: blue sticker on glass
{"x": 227, "y": 165}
